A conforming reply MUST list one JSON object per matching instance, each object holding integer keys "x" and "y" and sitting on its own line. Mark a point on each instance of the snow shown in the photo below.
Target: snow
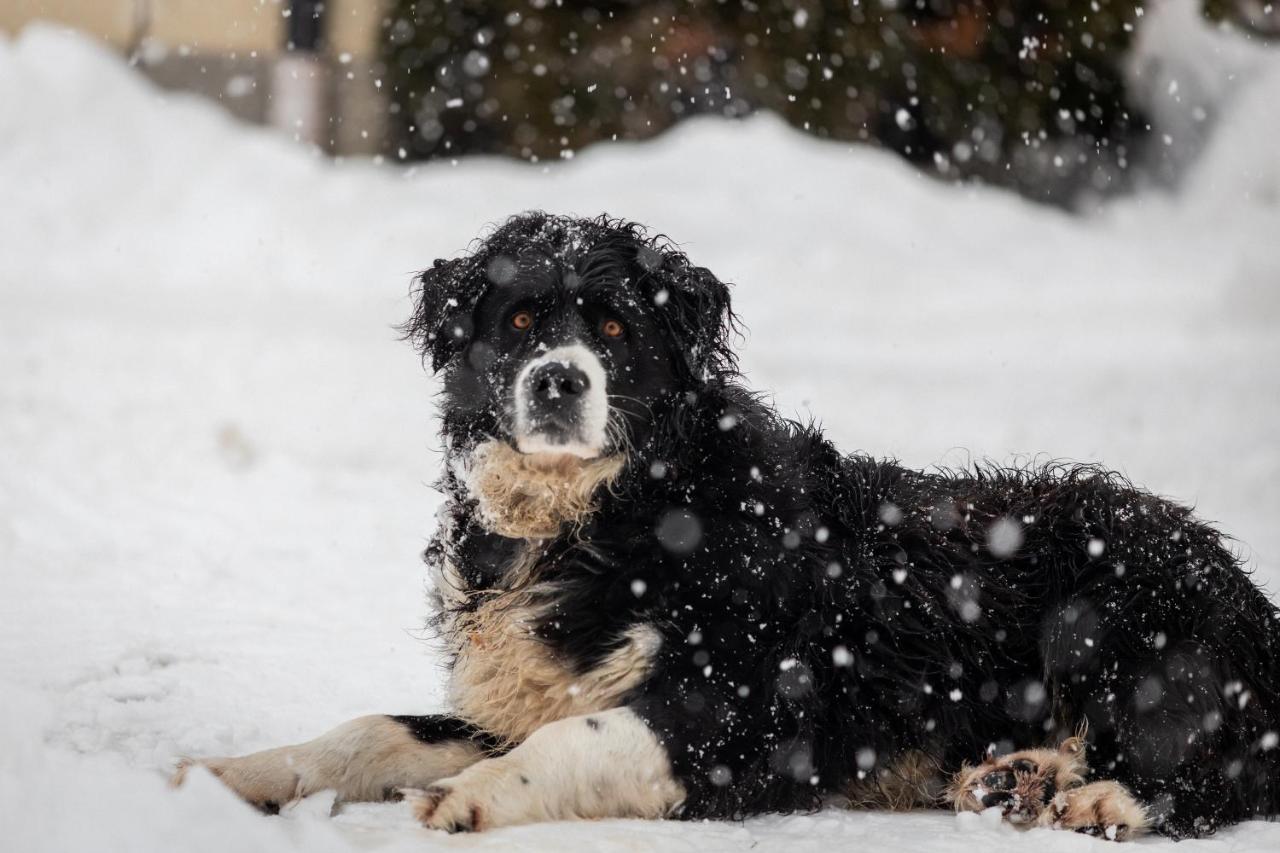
{"x": 215, "y": 453}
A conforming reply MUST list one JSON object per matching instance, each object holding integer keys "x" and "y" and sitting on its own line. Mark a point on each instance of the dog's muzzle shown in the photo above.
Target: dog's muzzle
{"x": 561, "y": 403}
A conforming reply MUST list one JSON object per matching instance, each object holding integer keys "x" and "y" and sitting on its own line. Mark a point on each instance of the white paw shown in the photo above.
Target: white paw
{"x": 489, "y": 794}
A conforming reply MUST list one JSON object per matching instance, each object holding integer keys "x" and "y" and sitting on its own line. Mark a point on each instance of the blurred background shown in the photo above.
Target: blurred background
{"x": 1046, "y": 96}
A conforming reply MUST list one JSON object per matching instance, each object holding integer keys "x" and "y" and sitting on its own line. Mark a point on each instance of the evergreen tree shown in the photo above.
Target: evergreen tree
{"x": 1025, "y": 92}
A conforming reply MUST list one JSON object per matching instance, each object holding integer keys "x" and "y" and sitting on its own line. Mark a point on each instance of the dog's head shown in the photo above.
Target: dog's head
{"x": 560, "y": 336}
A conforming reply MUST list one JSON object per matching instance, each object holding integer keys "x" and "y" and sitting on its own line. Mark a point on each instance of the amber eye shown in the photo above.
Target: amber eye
{"x": 521, "y": 320}
{"x": 611, "y": 329}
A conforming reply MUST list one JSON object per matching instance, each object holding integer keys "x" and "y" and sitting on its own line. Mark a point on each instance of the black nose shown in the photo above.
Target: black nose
{"x": 555, "y": 383}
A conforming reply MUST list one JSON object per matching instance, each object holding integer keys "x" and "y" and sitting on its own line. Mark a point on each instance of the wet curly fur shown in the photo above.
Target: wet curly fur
{"x": 521, "y": 498}
{"x": 825, "y": 615}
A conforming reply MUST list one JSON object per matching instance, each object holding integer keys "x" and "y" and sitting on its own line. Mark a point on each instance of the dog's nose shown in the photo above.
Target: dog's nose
{"x": 556, "y": 383}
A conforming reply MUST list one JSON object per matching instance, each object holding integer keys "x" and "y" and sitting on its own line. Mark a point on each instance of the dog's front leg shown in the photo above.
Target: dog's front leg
{"x": 608, "y": 764}
{"x": 367, "y": 759}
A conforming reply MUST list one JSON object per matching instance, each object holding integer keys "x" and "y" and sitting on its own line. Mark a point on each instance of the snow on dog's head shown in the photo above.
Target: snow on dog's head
{"x": 564, "y": 337}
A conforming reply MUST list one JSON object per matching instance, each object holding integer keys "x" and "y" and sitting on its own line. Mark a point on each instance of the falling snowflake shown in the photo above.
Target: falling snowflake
{"x": 1004, "y": 537}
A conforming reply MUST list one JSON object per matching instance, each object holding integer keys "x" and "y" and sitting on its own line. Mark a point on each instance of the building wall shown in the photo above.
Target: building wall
{"x": 226, "y": 50}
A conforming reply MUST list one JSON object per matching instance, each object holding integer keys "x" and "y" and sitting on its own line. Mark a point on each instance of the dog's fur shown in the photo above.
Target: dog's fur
{"x": 676, "y": 602}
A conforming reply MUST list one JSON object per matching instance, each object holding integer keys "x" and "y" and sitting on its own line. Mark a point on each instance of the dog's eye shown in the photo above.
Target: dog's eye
{"x": 521, "y": 320}
{"x": 612, "y": 329}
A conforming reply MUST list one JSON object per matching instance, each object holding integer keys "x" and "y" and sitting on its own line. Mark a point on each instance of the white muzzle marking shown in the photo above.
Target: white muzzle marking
{"x": 589, "y": 434}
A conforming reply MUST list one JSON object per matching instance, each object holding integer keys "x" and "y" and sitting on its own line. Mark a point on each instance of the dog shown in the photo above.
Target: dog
{"x": 658, "y": 598}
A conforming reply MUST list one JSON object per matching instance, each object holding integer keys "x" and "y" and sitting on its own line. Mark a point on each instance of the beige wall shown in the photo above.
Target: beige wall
{"x": 202, "y": 26}
{"x": 216, "y": 43}
{"x": 353, "y": 26}
{"x": 110, "y": 19}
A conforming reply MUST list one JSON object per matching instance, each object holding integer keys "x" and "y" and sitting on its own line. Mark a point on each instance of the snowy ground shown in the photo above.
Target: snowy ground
{"x": 215, "y": 455}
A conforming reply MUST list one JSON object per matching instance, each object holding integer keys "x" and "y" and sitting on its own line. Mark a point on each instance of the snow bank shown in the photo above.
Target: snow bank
{"x": 214, "y": 452}
{"x": 1206, "y": 87}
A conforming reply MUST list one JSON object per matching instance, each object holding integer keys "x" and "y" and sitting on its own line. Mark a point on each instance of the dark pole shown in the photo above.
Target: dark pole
{"x": 299, "y": 83}
{"x": 306, "y": 19}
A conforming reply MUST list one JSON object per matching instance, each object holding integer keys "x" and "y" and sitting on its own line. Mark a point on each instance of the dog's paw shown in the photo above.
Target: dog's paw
{"x": 1103, "y": 809}
{"x": 1046, "y": 788}
{"x": 1020, "y": 788}
{"x": 441, "y": 807}
{"x": 486, "y": 795}
{"x": 264, "y": 780}
{"x": 1022, "y": 784}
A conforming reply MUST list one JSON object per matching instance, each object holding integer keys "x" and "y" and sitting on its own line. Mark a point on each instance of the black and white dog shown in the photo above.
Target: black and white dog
{"x": 660, "y": 598}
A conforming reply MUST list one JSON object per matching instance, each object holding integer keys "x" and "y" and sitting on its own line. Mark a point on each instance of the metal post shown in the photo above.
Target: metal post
{"x": 304, "y": 30}
{"x": 299, "y": 87}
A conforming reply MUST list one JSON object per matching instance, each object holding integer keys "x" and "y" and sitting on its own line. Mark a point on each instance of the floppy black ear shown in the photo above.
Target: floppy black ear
{"x": 696, "y": 311}
{"x": 441, "y": 321}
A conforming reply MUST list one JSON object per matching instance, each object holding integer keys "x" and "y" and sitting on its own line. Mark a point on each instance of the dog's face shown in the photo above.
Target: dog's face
{"x": 562, "y": 336}
{"x": 566, "y": 352}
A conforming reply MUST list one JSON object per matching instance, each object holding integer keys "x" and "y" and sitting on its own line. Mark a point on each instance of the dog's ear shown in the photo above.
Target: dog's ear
{"x": 443, "y": 298}
{"x": 694, "y": 305}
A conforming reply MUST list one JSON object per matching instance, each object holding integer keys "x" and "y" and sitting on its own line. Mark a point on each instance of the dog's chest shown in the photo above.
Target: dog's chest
{"x": 509, "y": 682}
{"x": 506, "y": 679}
